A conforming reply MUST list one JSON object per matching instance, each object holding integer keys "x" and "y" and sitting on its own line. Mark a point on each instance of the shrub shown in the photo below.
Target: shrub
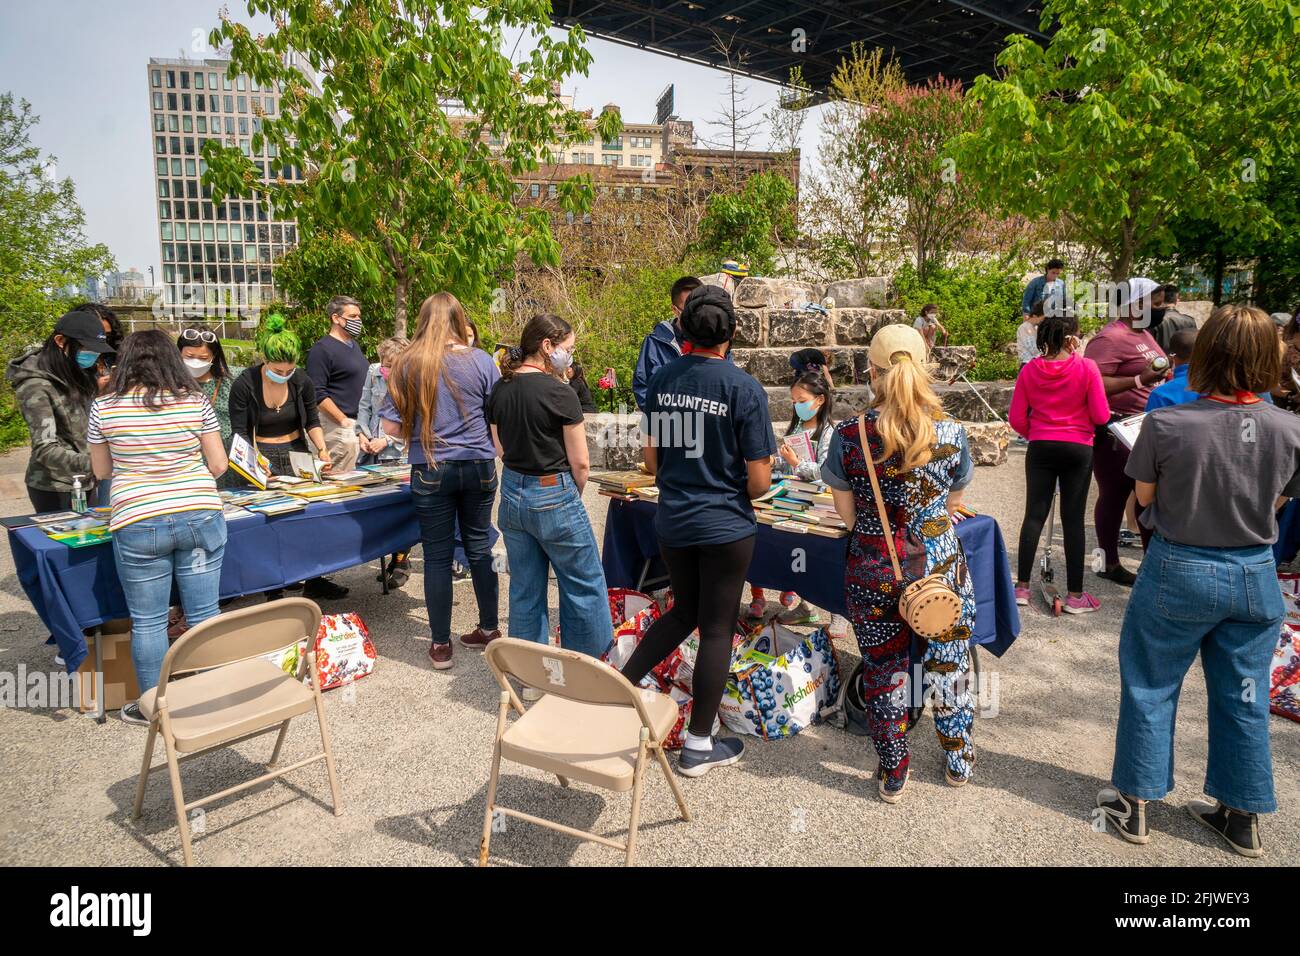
{"x": 979, "y": 304}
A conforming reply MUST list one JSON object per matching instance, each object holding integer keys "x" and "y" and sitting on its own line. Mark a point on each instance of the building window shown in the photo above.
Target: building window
{"x": 242, "y": 101}
{"x": 187, "y": 123}
{"x": 534, "y": 190}
{"x": 198, "y": 81}
{"x": 160, "y": 144}
{"x": 164, "y": 209}
{"x": 190, "y": 168}
{"x": 239, "y": 83}
{"x": 609, "y": 160}
{"x": 171, "y": 79}
{"x": 171, "y": 102}
{"x": 615, "y": 143}
{"x": 551, "y": 191}
{"x": 202, "y": 124}
{"x": 157, "y": 101}
{"x": 212, "y": 81}
{"x": 636, "y": 194}
{"x": 226, "y": 84}
{"x": 185, "y": 81}
{"x": 185, "y": 102}
{"x": 155, "y": 78}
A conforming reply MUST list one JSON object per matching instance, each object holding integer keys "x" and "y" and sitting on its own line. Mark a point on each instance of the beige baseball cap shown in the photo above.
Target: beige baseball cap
{"x": 891, "y": 340}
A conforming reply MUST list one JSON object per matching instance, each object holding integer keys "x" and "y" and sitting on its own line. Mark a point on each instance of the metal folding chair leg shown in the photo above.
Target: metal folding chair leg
{"x": 144, "y": 771}
{"x": 485, "y": 843}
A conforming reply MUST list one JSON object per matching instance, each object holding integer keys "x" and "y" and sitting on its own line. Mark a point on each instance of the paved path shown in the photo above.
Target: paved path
{"x": 413, "y": 748}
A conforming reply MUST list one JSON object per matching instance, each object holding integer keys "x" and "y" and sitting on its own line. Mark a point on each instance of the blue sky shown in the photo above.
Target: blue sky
{"x": 82, "y": 66}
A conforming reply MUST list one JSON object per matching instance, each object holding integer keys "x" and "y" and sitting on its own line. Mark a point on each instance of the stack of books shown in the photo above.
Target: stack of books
{"x": 389, "y": 472}
{"x": 622, "y": 485}
{"x": 325, "y": 491}
{"x": 74, "y": 530}
{"x": 357, "y": 478}
{"x": 800, "y": 507}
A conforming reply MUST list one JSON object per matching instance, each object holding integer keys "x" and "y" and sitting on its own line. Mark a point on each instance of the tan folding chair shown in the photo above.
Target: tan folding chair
{"x": 591, "y": 725}
{"x": 233, "y": 693}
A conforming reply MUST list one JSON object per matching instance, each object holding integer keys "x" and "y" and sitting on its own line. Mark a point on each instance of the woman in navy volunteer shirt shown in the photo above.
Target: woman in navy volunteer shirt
{"x": 709, "y": 441}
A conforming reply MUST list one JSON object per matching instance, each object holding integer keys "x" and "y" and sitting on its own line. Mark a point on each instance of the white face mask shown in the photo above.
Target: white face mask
{"x": 560, "y": 359}
{"x": 198, "y": 368}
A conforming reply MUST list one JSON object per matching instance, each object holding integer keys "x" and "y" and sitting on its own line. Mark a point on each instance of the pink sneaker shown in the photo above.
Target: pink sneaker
{"x": 1084, "y": 603}
{"x": 1022, "y": 595}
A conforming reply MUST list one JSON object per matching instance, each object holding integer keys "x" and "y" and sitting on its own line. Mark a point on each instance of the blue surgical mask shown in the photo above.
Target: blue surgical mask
{"x": 86, "y": 359}
{"x": 805, "y": 410}
{"x": 277, "y": 377}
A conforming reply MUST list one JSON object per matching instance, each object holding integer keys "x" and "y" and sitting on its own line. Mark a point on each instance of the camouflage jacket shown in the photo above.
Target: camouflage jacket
{"x": 57, "y": 420}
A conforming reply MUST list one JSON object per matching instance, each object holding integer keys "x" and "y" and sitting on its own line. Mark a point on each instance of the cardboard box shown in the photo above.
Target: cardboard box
{"x": 120, "y": 685}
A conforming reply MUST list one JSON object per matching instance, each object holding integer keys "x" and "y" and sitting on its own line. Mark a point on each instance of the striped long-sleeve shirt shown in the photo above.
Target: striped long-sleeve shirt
{"x": 158, "y": 464}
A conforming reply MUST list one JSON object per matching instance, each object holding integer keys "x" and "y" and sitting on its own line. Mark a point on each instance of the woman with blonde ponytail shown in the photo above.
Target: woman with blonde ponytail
{"x": 922, "y": 461}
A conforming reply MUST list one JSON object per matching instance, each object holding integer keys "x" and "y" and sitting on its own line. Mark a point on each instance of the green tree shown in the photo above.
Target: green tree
{"x": 394, "y": 141}
{"x": 1137, "y": 112}
{"x": 314, "y": 271}
{"x": 749, "y": 224}
{"x": 44, "y": 254}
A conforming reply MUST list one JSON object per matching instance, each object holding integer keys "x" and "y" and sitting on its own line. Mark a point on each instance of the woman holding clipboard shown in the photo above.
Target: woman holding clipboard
{"x": 1129, "y": 361}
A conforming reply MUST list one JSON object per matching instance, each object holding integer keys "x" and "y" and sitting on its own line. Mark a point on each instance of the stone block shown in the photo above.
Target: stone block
{"x": 856, "y": 326}
{"x": 787, "y": 327}
{"x": 947, "y": 361}
{"x": 751, "y": 328}
{"x": 988, "y": 441}
{"x": 962, "y": 402}
{"x": 762, "y": 293}
{"x": 870, "y": 292}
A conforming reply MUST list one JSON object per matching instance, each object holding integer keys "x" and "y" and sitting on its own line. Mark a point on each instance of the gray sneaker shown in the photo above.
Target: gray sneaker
{"x": 130, "y": 714}
{"x": 696, "y": 763}
{"x": 1128, "y": 814}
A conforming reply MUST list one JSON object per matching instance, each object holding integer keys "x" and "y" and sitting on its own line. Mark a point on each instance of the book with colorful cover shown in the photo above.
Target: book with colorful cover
{"x": 280, "y": 504}
{"x": 248, "y": 462}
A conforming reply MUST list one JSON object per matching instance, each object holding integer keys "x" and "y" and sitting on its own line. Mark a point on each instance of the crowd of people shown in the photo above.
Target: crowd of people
{"x": 154, "y": 415}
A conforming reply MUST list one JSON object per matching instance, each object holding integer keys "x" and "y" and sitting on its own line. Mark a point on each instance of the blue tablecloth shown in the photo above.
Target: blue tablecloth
{"x": 818, "y": 576}
{"x": 76, "y": 588}
{"x": 1288, "y": 532}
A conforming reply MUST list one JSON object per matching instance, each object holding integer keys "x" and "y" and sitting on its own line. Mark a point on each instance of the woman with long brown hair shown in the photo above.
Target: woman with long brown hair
{"x": 922, "y": 461}
{"x": 538, "y": 428}
{"x": 437, "y": 393}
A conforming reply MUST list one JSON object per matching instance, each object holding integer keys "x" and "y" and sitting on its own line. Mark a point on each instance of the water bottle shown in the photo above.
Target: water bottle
{"x": 78, "y": 495}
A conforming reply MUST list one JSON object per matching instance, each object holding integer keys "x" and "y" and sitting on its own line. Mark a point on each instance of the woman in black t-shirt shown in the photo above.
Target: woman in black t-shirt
{"x": 538, "y": 429}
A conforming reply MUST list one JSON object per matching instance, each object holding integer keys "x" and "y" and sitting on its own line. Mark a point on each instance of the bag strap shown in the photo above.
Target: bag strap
{"x": 880, "y": 500}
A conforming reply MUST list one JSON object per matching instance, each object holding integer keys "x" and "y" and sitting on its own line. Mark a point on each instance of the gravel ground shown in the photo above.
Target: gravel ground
{"x": 413, "y": 748}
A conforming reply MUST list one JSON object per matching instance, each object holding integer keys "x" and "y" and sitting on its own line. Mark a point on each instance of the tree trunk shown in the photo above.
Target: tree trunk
{"x": 399, "y": 306}
{"x": 1121, "y": 264}
{"x": 1219, "y": 263}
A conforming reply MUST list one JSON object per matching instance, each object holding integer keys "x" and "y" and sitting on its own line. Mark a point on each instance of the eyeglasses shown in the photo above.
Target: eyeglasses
{"x": 198, "y": 335}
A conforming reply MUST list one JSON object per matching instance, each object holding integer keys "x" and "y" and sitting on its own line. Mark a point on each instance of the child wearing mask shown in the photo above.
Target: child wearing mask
{"x": 814, "y": 401}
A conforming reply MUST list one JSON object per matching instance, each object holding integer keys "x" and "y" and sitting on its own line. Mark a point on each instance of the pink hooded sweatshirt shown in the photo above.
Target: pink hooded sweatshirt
{"x": 1059, "y": 401}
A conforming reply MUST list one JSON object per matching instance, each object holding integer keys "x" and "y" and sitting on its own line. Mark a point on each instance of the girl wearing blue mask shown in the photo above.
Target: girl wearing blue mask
{"x": 54, "y": 384}
{"x": 814, "y": 401}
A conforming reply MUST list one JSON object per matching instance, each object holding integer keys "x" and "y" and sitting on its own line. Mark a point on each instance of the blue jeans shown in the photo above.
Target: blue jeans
{"x": 1226, "y": 604}
{"x": 186, "y": 544}
{"x": 443, "y": 493}
{"x": 546, "y": 526}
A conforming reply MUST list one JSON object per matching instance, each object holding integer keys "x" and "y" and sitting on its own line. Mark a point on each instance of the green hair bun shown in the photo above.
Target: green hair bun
{"x": 275, "y": 323}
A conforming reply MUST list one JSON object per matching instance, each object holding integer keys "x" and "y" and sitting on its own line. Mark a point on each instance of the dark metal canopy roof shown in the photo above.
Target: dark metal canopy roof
{"x": 956, "y": 38}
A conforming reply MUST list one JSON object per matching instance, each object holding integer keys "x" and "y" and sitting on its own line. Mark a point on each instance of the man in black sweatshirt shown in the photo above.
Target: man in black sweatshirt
{"x": 338, "y": 369}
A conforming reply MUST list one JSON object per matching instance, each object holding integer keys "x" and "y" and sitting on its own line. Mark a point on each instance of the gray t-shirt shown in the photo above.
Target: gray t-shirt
{"x": 1218, "y": 468}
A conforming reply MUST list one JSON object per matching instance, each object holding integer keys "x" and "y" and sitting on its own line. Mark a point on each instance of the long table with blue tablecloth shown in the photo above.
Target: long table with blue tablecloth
{"x": 631, "y": 551}
{"x": 77, "y": 588}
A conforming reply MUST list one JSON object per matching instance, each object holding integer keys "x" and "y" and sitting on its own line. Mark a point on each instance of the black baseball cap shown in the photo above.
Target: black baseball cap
{"x": 86, "y": 328}
{"x": 708, "y": 317}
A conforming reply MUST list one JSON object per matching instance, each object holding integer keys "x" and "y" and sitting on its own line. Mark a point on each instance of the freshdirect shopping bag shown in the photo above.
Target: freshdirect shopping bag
{"x": 344, "y": 652}
{"x": 780, "y": 681}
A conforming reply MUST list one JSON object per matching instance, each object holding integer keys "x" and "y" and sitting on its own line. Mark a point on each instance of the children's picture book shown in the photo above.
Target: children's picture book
{"x": 248, "y": 462}
{"x": 305, "y": 466}
{"x": 801, "y": 445}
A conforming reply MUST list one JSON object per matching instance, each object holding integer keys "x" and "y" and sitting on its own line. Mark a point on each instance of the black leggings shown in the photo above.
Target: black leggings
{"x": 1046, "y": 463}
{"x": 707, "y": 580}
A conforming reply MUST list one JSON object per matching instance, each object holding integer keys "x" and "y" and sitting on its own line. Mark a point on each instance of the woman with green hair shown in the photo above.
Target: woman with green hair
{"x": 273, "y": 407}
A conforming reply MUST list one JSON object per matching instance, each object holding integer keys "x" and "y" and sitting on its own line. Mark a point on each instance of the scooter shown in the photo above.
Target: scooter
{"x": 1046, "y": 573}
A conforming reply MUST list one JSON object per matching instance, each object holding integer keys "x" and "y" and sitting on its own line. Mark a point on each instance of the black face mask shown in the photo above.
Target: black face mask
{"x": 1157, "y": 317}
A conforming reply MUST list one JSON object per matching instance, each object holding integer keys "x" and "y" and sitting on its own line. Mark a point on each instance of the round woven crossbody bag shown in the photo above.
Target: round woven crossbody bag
{"x": 929, "y": 605}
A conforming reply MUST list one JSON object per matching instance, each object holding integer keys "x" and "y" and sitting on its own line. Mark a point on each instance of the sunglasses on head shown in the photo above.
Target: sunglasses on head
{"x": 199, "y": 335}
